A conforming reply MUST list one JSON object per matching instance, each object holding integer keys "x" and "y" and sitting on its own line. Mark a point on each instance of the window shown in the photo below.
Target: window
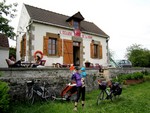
{"x": 52, "y": 43}
{"x": 95, "y": 51}
{"x": 76, "y": 25}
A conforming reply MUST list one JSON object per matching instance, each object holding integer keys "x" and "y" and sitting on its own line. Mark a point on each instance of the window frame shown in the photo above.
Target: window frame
{"x": 75, "y": 24}
{"x": 96, "y": 51}
{"x": 53, "y": 46}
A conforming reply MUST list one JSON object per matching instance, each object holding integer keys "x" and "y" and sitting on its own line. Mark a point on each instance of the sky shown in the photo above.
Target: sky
{"x": 127, "y": 22}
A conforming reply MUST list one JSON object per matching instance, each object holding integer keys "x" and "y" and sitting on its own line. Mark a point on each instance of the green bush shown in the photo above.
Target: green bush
{"x": 4, "y": 96}
{"x": 146, "y": 73}
{"x": 131, "y": 76}
{"x": 0, "y": 73}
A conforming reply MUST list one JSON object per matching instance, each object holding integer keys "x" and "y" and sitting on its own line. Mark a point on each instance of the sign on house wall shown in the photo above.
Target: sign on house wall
{"x": 75, "y": 33}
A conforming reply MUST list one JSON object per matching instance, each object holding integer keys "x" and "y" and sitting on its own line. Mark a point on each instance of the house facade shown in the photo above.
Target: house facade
{"x": 59, "y": 38}
{"x": 4, "y": 50}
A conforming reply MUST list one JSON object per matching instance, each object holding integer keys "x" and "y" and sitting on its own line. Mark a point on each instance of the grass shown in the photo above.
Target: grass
{"x": 134, "y": 99}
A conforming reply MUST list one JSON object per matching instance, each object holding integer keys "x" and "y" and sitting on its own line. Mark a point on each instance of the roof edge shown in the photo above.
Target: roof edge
{"x": 50, "y": 24}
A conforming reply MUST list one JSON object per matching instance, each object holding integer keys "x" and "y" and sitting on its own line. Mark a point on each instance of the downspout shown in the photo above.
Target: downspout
{"x": 108, "y": 53}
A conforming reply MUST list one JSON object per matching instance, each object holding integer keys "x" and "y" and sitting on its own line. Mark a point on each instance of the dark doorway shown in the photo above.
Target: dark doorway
{"x": 76, "y": 53}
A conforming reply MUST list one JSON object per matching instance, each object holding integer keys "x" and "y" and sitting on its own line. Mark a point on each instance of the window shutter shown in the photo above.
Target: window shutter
{"x": 21, "y": 48}
{"x": 92, "y": 50}
{"x": 45, "y": 45}
{"x": 24, "y": 49}
{"x": 68, "y": 52}
{"x": 100, "y": 52}
{"x": 59, "y": 47}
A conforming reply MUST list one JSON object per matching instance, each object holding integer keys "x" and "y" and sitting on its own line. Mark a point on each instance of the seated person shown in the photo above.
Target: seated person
{"x": 37, "y": 61}
{"x": 12, "y": 62}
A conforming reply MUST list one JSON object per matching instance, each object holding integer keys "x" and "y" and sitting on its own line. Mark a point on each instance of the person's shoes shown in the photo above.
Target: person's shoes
{"x": 75, "y": 109}
{"x": 83, "y": 106}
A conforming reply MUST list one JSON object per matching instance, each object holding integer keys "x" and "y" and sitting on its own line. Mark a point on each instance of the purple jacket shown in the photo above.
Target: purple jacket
{"x": 77, "y": 78}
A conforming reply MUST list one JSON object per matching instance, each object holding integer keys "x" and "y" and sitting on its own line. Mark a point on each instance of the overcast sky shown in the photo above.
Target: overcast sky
{"x": 127, "y": 22}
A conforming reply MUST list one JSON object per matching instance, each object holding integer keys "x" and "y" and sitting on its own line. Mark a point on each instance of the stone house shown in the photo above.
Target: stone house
{"x": 4, "y": 50}
{"x": 58, "y": 38}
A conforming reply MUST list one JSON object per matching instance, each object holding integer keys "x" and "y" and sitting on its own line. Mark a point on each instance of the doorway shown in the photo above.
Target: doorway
{"x": 76, "y": 53}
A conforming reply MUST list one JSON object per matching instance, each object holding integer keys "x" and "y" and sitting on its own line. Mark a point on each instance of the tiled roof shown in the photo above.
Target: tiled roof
{"x": 4, "y": 41}
{"x": 76, "y": 16}
{"x": 45, "y": 16}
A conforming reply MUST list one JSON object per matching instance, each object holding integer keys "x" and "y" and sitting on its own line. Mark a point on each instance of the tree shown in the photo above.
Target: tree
{"x": 7, "y": 11}
{"x": 140, "y": 57}
{"x": 12, "y": 51}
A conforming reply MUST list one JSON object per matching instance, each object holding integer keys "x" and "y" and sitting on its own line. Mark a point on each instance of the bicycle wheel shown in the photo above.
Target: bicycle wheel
{"x": 112, "y": 96}
{"x": 49, "y": 95}
{"x": 30, "y": 96}
{"x": 101, "y": 97}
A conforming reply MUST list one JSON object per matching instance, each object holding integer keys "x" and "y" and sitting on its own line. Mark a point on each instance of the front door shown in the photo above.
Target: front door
{"x": 68, "y": 52}
{"x": 76, "y": 53}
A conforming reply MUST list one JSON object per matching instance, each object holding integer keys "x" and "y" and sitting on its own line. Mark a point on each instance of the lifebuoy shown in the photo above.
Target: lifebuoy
{"x": 38, "y": 52}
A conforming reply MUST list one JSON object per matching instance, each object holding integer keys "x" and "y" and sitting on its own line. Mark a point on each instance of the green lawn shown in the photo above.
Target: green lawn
{"x": 134, "y": 99}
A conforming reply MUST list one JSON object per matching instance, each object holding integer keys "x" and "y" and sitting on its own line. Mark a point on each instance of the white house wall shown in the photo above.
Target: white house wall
{"x": 40, "y": 31}
{"x": 4, "y": 54}
{"x": 22, "y": 29}
{"x": 87, "y": 56}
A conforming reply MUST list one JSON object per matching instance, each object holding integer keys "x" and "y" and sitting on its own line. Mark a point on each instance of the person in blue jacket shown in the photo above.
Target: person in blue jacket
{"x": 80, "y": 90}
{"x": 83, "y": 72}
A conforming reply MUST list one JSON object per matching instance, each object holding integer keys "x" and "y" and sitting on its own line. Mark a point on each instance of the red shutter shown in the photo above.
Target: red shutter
{"x": 24, "y": 47}
{"x": 45, "y": 45}
{"x": 68, "y": 52}
{"x": 92, "y": 50}
{"x": 59, "y": 47}
{"x": 100, "y": 52}
{"x": 21, "y": 54}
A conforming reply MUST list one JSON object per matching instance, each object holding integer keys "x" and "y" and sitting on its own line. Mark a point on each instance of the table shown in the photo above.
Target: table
{"x": 26, "y": 64}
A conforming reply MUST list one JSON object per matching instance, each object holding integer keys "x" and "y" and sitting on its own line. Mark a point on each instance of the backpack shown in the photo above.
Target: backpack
{"x": 116, "y": 88}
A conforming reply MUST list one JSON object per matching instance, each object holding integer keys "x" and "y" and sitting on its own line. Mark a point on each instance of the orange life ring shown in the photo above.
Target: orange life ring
{"x": 38, "y": 52}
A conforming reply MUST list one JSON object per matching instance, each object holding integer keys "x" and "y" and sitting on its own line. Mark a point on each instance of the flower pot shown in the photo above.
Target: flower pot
{"x": 87, "y": 64}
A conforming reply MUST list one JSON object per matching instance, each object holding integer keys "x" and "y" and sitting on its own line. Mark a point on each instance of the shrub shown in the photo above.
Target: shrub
{"x": 4, "y": 96}
{"x": 131, "y": 76}
{"x": 146, "y": 73}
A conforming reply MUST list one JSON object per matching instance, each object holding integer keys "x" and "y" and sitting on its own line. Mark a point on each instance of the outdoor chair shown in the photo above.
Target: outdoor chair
{"x": 43, "y": 62}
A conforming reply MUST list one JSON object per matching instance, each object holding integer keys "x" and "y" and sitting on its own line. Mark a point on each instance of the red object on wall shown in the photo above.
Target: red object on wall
{"x": 77, "y": 32}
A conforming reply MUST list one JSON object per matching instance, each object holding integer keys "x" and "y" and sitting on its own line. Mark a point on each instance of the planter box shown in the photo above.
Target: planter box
{"x": 128, "y": 82}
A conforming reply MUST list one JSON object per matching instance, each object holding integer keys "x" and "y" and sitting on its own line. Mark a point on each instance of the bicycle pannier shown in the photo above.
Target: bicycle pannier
{"x": 102, "y": 85}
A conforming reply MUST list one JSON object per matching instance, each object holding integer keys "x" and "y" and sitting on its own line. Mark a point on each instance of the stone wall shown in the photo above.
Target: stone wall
{"x": 55, "y": 78}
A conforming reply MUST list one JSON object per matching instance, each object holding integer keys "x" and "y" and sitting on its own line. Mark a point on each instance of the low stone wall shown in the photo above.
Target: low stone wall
{"x": 55, "y": 78}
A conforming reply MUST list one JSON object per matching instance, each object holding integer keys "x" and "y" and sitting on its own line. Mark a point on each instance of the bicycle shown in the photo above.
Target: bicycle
{"x": 33, "y": 90}
{"x": 108, "y": 93}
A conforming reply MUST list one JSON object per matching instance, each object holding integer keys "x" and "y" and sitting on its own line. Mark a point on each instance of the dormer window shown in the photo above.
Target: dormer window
{"x": 76, "y": 25}
{"x": 75, "y": 20}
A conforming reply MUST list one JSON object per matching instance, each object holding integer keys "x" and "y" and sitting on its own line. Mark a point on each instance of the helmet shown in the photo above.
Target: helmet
{"x": 82, "y": 69}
